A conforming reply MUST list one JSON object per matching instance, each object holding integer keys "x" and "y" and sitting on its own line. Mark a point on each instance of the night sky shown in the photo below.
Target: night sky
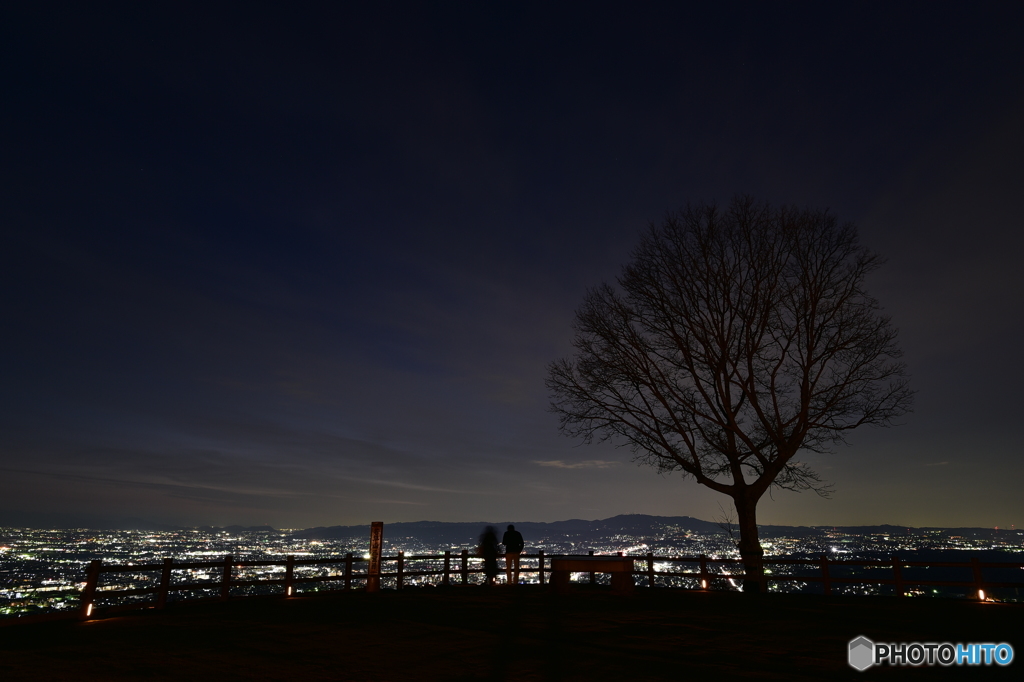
{"x": 308, "y": 265}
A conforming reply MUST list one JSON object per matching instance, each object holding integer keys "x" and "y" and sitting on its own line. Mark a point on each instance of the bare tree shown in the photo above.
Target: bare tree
{"x": 736, "y": 339}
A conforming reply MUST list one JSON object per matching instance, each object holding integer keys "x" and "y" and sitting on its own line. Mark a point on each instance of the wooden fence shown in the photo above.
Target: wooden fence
{"x": 350, "y": 572}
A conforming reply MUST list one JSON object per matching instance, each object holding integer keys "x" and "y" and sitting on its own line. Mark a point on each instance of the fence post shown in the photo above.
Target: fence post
{"x": 289, "y": 575}
{"x": 826, "y": 580}
{"x": 979, "y": 583}
{"x": 92, "y": 577}
{"x": 650, "y": 569}
{"x": 591, "y": 573}
{"x": 348, "y": 571}
{"x": 376, "y": 546}
{"x": 447, "y": 567}
{"x": 401, "y": 568}
{"x": 897, "y": 576}
{"x": 465, "y": 566}
{"x": 540, "y": 566}
{"x": 165, "y": 584}
{"x": 705, "y": 582}
{"x": 225, "y": 584}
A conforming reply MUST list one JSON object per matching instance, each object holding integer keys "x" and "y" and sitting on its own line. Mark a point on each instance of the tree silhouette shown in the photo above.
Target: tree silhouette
{"x": 736, "y": 339}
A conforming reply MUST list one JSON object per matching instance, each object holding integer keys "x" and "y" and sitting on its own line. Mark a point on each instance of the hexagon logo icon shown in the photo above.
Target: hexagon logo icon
{"x": 862, "y": 653}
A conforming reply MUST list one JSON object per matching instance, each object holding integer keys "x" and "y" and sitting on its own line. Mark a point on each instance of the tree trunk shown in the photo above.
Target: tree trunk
{"x": 750, "y": 546}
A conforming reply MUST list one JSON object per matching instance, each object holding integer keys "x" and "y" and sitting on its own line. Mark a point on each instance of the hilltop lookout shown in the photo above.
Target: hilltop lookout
{"x": 477, "y": 633}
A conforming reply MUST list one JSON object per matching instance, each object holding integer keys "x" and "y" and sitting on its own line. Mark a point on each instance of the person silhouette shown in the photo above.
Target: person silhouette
{"x": 489, "y": 551}
{"x": 513, "y": 541}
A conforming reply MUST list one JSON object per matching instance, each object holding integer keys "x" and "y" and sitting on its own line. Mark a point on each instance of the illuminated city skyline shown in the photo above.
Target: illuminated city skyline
{"x": 44, "y": 569}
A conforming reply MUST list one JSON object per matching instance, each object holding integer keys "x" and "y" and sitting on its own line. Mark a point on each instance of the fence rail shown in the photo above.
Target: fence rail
{"x": 457, "y": 569}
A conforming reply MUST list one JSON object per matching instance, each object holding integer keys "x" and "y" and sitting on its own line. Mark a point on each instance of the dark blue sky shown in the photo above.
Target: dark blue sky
{"x": 307, "y": 266}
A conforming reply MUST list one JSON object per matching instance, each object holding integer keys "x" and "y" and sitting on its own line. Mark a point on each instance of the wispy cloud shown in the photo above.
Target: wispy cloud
{"x": 164, "y": 485}
{"x": 585, "y": 464}
{"x": 409, "y": 486}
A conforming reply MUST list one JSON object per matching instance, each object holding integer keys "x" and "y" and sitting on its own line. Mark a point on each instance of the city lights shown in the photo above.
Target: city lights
{"x": 44, "y": 570}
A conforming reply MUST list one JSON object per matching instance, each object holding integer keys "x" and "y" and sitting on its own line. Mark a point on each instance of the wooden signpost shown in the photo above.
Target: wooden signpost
{"x": 376, "y": 545}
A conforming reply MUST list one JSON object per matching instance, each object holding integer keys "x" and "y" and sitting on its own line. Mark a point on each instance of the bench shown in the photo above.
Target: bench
{"x": 620, "y": 568}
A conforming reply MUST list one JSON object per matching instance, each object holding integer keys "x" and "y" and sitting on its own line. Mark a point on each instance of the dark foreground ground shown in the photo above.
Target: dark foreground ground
{"x": 474, "y": 633}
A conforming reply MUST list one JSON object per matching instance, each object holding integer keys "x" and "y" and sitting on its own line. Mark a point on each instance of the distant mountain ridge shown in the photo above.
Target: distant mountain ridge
{"x": 457, "y": 533}
{"x": 636, "y": 525}
{"x": 465, "y": 533}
